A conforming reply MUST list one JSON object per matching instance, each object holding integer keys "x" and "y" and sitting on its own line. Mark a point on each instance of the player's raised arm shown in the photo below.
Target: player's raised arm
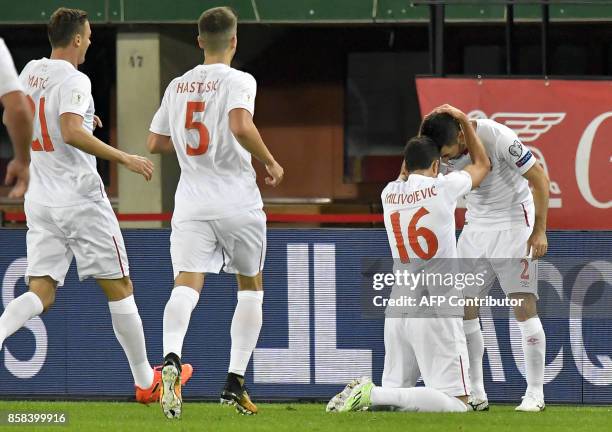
{"x": 481, "y": 165}
{"x": 246, "y": 133}
{"x": 537, "y": 242}
{"x": 74, "y": 134}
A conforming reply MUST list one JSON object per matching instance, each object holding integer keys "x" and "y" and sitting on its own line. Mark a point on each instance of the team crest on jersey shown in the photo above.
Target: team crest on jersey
{"x": 516, "y": 149}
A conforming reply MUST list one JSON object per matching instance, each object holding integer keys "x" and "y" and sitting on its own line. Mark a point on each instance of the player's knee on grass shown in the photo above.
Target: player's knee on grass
{"x": 191, "y": 280}
{"x": 527, "y": 307}
{"x": 470, "y": 312}
{"x": 116, "y": 289}
{"x": 44, "y": 287}
{"x": 250, "y": 283}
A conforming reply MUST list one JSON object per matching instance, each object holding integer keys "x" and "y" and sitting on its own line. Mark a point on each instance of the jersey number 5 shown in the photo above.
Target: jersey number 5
{"x": 413, "y": 236}
{"x": 192, "y": 108}
{"x": 47, "y": 145}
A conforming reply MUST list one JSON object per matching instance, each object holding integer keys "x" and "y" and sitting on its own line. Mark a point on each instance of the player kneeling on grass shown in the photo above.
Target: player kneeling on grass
{"x": 206, "y": 117}
{"x": 432, "y": 347}
{"x": 67, "y": 210}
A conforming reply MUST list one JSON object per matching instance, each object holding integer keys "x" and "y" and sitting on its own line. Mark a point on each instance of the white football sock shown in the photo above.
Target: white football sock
{"x": 246, "y": 325}
{"x": 17, "y": 312}
{"x": 475, "y": 346}
{"x": 534, "y": 348}
{"x": 128, "y": 330}
{"x": 422, "y": 399}
{"x": 177, "y": 313}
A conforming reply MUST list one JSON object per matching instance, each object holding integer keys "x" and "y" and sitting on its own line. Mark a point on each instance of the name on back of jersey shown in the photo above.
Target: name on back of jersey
{"x": 197, "y": 86}
{"x": 37, "y": 82}
{"x": 411, "y": 198}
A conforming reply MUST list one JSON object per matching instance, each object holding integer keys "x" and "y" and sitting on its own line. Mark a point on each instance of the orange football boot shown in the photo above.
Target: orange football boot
{"x": 152, "y": 394}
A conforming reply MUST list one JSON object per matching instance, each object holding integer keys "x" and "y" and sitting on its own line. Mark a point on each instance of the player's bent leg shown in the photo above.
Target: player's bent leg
{"x": 246, "y": 325}
{"x": 362, "y": 394}
{"x": 534, "y": 349}
{"x": 475, "y": 346}
{"x": 127, "y": 326}
{"x": 39, "y": 298}
{"x": 420, "y": 399}
{"x": 45, "y": 288}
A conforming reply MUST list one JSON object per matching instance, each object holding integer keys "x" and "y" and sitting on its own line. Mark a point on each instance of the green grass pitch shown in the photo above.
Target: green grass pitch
{"x": 294, "y": 417}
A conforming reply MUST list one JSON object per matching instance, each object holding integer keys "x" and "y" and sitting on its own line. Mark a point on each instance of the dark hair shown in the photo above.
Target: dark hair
{"x": 217, "y": 26}
{"x": 442, "y": 128}
{"x": 64, "y": 24}
{"x": 420, "y": 152}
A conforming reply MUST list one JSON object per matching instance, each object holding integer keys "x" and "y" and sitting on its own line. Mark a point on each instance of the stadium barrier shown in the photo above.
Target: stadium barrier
{"x": 314, "y": 338}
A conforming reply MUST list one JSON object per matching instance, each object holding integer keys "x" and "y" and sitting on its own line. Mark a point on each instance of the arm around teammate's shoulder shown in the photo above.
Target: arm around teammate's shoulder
{"x": 481, "y": 164}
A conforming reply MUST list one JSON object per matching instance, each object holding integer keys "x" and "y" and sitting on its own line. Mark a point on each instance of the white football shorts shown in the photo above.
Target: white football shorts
{"x": 501, "y": 254}
{"x": 433, "y": 348}
{"x": 89, "y": 232}
{"x": 236, "y": 244}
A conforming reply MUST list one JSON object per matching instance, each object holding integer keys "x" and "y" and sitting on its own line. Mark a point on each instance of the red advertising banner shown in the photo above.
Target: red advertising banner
{"x": 567, "y": 124}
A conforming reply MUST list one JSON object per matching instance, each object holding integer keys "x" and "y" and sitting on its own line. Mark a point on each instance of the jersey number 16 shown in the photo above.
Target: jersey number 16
{"x": 413, "y": 237}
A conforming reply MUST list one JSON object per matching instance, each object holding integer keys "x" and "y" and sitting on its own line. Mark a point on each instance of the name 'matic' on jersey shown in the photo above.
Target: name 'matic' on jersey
{"x": 420, "y": 215}
{"x": 60, "y": 174}
{"x": 503, "y": 199}
{"x": 217, "y": 178}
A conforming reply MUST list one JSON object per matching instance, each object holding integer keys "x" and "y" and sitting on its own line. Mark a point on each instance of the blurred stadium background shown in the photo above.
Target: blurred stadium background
{"x": 342, "y": 84}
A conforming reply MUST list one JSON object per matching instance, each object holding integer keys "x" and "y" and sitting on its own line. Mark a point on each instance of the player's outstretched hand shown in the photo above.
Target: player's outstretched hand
{"x": 276, "y": 174}
{"x": 19, "y": 172}
{"x": 537, "y": 244}
{"x": 140, "y": 165}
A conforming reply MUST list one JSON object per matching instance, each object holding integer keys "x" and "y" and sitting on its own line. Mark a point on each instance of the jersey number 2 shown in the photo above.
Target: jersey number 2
{"x": 47, "y": 145}
{"x": 192, "y": 108}
{"x": 413, "y": 237}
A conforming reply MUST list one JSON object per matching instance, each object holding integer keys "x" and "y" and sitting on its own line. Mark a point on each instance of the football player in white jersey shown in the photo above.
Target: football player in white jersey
{"x": 18, "y": 120}
{"x": 506, "y": 227}
{"x": 419, "y": 213}
{"x": 68, "y": 213}
{"x": 206, "y": 116}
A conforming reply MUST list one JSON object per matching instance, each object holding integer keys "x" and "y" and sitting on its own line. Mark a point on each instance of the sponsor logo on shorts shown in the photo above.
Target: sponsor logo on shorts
{"x": 524, "y": 159}
{"x": 533, "y": 340}
{"x": 516, "y": 149}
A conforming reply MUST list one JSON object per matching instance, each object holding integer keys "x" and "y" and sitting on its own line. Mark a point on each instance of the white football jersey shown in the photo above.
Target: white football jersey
{"x": 60, "y": 174}
{"x": 503, "y": 199}
{"x": 8, "y": 75}
{"x": 420, "y": 215}
{"x": 217, "y": 178}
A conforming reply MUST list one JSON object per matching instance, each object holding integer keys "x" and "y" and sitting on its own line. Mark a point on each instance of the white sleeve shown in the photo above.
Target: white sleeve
{"x": 457, "y": 184}
{"x": 9, "y": 82}
{"x": 75, "y": 95}
{"x": 161, "y": 120}
{"x": 242, "y": 93}
{"x": 512, "y": 150}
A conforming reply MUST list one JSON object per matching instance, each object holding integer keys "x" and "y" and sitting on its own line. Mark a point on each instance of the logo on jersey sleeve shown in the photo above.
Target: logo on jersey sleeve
{"x": 516, "y": 149}
{"x": 524, "y": 159}
{"x": 78, "y": 97}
